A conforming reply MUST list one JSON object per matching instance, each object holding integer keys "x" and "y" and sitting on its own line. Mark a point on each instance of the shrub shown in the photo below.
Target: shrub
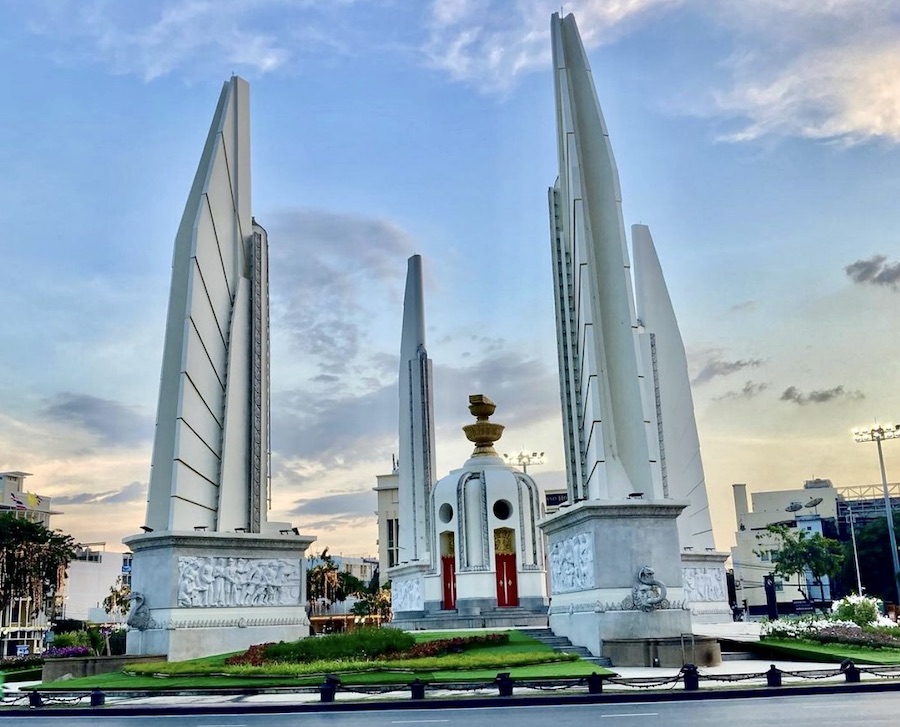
{"x": 861, "y": 610}
{"x": 15, "y": 663}
{"x": 72, "y": 638}
{"x": 362, "y": 644}
{"x": 456, "y": 645}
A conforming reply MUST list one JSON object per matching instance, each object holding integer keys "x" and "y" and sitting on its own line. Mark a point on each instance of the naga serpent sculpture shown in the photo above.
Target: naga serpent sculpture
{"x": 139, "y": 615}
{"x": 648, "y": 592}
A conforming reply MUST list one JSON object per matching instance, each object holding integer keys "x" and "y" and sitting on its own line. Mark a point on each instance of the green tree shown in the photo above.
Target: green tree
{"x": 116, "y": 603}
{"x": 33, "y": 561}
{"x": 374, "y": 602}
{"x": 876, "y": 567}
{"x": 322, "y": 578}
{"x": 801, "y": 551}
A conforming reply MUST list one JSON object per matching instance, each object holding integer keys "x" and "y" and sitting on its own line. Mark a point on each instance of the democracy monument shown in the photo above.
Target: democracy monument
{"x": 624, "y": 568}
{"x": 210, "y": 574}
{"x": 636, "y": 492}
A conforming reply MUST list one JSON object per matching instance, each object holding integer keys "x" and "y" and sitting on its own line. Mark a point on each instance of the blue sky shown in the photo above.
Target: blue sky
{"x": 758, "y": 139}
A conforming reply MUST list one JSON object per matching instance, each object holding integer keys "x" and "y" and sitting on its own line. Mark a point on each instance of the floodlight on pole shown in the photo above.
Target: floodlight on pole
{"x": 877, "y": 433}
{"x": 524, "y": 459}
{"x": 852, "y": 515}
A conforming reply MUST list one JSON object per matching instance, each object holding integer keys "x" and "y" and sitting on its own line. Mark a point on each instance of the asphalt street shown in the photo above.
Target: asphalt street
{"x": 797, "y": 711}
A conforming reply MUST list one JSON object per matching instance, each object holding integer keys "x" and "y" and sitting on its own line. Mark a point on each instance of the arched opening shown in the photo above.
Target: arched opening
{"x": 505, "y": 562}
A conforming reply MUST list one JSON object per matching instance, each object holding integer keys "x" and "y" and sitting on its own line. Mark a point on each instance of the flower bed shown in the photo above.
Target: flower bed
{"x": 856, "y": 621}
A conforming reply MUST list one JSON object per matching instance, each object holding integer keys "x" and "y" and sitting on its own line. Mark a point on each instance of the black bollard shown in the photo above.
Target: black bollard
{"x": 595, "y": 683}
{"x": 691, "y": 677}
{"x": 328, "y": 688}
{"x": 504, "y": 684}
{"x": 98, "y": 698}
{"x": 851, "y": 672}
{"x": 417, "y": 689}
{"x": 34, "y": 699}
{"x": 773, "y": 676}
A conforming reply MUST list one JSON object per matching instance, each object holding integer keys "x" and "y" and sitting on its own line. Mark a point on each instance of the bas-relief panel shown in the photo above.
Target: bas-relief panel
{"x": 406, "y": 595}
{"x": 704, "y": 584}
{"x": 572, "y": 564}
{"x": 205, "y": 581}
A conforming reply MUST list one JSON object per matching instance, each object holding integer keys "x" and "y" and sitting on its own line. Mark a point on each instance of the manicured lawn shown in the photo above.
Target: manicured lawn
{"x": 480, "y": 665}
{"x": 828, "y": 653}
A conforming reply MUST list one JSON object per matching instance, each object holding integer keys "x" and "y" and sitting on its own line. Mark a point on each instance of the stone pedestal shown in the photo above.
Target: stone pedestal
{"x": 196, "y": 594}
{"x": 705, "y": 586}
{"x": 616, "y": 580}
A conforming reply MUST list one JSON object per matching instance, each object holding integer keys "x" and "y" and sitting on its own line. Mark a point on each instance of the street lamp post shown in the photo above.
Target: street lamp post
{"x": 855, "y": 551}
{"x": 876, "y": 434}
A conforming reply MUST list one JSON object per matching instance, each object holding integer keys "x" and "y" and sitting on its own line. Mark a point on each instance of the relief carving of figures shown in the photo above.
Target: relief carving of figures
{"x": 406, "y": 595}
{"x": 572, "y": 564}
{"x": 232, "y": 582}
{"x": 704, "y": 584}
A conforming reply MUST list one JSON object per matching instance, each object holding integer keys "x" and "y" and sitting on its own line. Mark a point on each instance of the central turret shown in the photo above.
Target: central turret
{"x": 483, "y": 433}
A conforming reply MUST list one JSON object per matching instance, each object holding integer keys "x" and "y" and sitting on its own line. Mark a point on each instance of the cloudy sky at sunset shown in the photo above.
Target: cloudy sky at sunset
{"x": 759, "y": 140}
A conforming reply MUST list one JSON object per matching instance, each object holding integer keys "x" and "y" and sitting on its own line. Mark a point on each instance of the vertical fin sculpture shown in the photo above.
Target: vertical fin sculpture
{"x": 610, "y": 433}
{"x": 210, "y": 464}
{"x": 680, "y": 444}
{"x": 416, "y": 461}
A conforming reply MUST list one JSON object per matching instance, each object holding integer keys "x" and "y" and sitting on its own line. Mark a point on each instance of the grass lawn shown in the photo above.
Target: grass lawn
{"x": 207, "y": 672}
{"x": 828, "y": 653}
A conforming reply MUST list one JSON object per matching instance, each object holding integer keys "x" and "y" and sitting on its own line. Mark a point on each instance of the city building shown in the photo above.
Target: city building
{"x": 813, "y": 508}
{"x": 91, "y": 575}
{"x": 387, "y": 489}
{"x": 818, "y": 507}
{"x": 21, "y": 628}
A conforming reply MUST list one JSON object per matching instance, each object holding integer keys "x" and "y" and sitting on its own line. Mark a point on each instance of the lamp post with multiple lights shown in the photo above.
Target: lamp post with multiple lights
{"x": 876, "y": 434}
{"x": 855, "y": 551}
{"x": 524, "y": 459}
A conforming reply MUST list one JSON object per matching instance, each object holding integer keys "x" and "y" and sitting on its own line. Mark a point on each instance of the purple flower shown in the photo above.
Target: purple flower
{"x": 67, "y": 652}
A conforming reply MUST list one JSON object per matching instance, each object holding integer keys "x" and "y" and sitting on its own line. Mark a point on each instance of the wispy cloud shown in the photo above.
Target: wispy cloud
{"x": 345, "y": 504}
{"x": 115, "y": 424}
{"x": 716, "y": 367}
{"x": 491, "y": 43}
{"x": 818, "y": 70}
{"x": 325, "y": 267}
{"x": 875, "y": 271}
{"x": 750, "y": 390}
{"x": 819, "y": 396}
{"x": 154, "y": 39}
{"x": 133, "y": 492}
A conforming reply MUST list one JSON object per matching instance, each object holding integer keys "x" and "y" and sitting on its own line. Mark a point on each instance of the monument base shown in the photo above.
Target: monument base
{"x": 700, "y": 651}
{"x": 616, "y": 581}
{"x": 199, "y": 594}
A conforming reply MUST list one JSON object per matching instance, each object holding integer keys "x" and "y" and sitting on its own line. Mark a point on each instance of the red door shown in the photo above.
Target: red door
{"x": 507, "y": 585}
{"x": 448, "y": 576}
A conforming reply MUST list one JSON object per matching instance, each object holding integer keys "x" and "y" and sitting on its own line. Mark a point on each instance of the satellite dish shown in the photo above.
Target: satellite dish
{"x": 793, "y": 507}
{"x": 812, "y": 503}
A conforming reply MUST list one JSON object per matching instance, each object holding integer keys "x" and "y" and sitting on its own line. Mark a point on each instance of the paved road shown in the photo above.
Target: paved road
{"x": 796, "y": 711}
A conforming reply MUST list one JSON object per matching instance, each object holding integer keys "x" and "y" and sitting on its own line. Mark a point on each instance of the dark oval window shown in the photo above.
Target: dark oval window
{"x": 502, "y": 510}
{"x": 445, "y": 513}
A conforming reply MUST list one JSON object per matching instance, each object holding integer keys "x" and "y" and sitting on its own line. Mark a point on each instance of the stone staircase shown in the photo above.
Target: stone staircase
{"x": 563, "y": 645}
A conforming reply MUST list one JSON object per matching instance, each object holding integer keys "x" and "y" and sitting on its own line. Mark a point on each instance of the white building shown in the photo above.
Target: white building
{"x": 388, "y": 493}
{"x": 89, "y": 578}
{"x": 813, "y": 508}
